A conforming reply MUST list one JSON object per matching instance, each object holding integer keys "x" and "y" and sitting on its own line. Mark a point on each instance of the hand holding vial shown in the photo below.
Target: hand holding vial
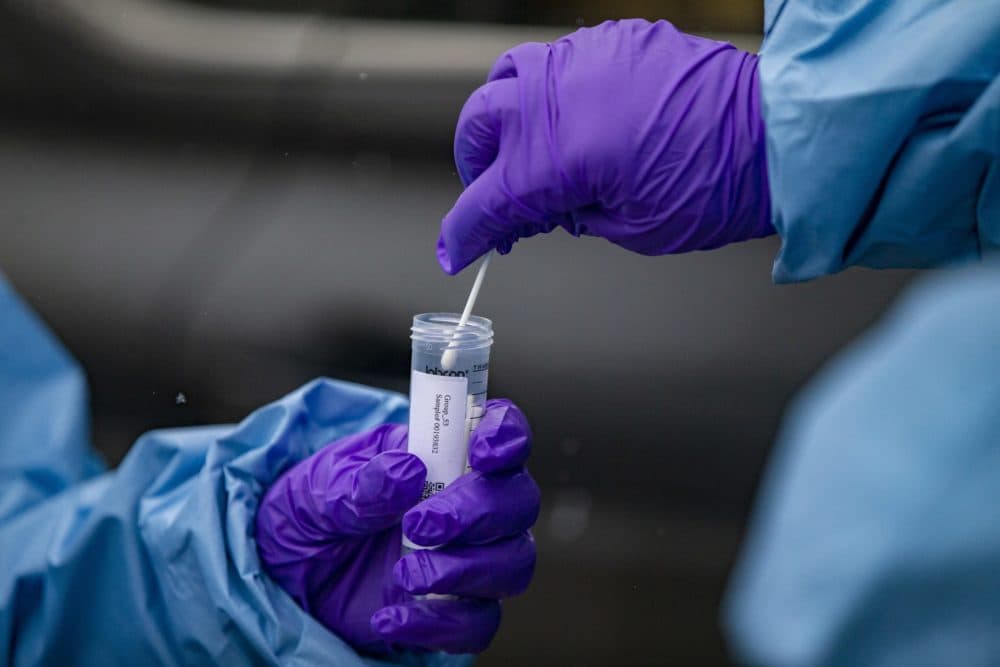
{"x": 330, "y": 532}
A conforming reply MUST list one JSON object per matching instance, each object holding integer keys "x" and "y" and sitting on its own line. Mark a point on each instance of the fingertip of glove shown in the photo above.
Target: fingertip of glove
{"x": 392, "y": 479}
{"x": 401, "y": 465}
{"x": 443, "y": 258}
{"x": 502, "y": 441}
{"x": 408, "y": 575}
{"x": 385, "y": 620}
{"x": 414, "y": 525}
{"x": 428, "y": 524}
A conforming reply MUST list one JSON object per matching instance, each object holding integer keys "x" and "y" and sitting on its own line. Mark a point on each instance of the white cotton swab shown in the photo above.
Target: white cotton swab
{"x": 450, "y": 355}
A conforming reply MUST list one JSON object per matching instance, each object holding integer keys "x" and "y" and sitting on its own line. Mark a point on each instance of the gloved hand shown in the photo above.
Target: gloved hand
{"x": 630, "y": 130}
{"x": 328, "y": 531}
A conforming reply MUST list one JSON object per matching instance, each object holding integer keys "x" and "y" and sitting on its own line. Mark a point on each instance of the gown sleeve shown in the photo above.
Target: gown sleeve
{"x": 883, "y": 132}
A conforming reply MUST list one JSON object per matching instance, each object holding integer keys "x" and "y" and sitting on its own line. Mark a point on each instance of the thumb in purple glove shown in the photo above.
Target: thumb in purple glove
{"x": 328, "y": 531}
{"x": 632, "y": 131}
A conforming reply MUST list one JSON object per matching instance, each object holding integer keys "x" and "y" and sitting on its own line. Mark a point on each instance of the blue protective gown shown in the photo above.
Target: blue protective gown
{"x": 153, "y": 563}
{"x": 876, "y": 540}
{"x": 883, "y": 131}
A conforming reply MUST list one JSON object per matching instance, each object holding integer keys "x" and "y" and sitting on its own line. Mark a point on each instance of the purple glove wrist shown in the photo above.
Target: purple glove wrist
{"x": 329, "y": 532}
{"x": 633, "y": 131}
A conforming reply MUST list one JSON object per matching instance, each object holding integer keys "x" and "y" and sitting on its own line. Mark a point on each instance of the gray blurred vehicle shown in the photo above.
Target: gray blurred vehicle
{"x": 211, "y": 207}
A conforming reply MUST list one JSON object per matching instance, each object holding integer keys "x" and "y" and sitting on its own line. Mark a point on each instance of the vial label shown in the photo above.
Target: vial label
{"x": 438, "y": 430}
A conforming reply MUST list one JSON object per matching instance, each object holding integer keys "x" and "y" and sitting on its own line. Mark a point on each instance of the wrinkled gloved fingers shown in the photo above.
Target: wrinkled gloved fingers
{"x": 477, "y": 133}
{"x": 474, "y": 509}
{"x": 357, "y": 485}
{"x": 493, "y": 213}
{"x": 518, "y": 190}
{"x": 345, "y": 489}
{"x": 478, "y": 222}
{"x": 473, "y": 226}
{"x": 531, "y": 53}
{"x": 462, "y": 625}
{"x": 371, "y": 497}
{"x": 496, "y": 570}
{"x": 502, "y": 441}
{"x": 375, "y": 494}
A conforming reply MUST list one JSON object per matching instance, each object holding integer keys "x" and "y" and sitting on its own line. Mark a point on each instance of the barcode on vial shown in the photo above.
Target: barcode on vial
{"x": 430, "y": 488}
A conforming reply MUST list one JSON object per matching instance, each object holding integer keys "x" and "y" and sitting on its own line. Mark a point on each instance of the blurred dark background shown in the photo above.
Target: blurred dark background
{"x": 212, "y": 203}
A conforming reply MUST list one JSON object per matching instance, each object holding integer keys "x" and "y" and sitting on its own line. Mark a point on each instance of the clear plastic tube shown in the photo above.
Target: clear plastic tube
{"x": 446, "y": 405}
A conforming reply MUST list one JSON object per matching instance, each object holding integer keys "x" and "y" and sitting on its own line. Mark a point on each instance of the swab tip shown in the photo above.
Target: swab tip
{"x": 448, "y": 358}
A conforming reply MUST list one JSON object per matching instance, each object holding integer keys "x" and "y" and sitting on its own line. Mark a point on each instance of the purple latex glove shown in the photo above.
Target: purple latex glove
{"x": 633, "y": 131}
{"x": 328, "y": 531}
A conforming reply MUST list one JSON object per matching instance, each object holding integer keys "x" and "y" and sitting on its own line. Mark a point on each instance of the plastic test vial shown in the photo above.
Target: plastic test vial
{"x": 446, "y": 405}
